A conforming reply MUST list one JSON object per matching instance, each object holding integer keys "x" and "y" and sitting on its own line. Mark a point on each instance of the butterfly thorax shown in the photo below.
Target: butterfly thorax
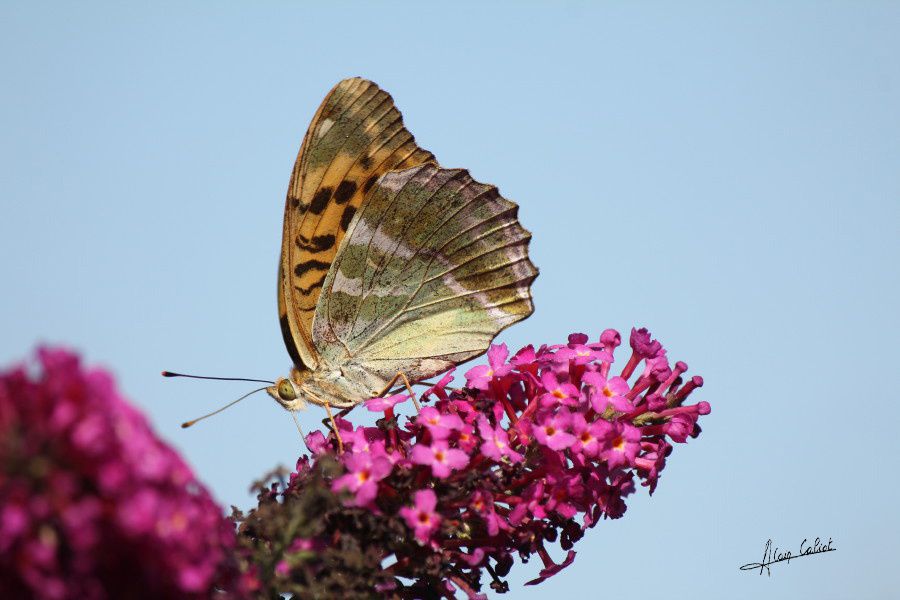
{"x": 320, "y": 386}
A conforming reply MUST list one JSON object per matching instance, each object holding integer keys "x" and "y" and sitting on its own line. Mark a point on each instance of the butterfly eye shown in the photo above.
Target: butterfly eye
{"x": 286, "y": 390}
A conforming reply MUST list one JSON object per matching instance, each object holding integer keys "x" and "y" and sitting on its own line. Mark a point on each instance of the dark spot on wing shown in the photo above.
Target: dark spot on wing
{"x": 295, "y": 202}
{"x": 344, "y": 191}
{"x": 369, "y": 183}
{"x": 316, "y": 284}
{"x": 317, "y": 244}
{"x": 347, "y": 216}
{"x": 366, "y": 161}
{"x": 320, "y": 201}
{"x": 309, "y": 265}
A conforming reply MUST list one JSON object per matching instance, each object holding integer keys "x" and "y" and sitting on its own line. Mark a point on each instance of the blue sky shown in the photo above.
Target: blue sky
{"x": 725, "y": 174}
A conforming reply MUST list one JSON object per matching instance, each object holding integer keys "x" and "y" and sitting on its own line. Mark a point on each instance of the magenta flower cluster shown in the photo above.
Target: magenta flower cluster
{"x": 535, "y": 448}
{"x": 94, "y": 505}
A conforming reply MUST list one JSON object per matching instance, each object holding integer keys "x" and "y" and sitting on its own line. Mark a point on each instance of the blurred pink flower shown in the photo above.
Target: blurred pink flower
{"x": 422, "y": 518}
{"x": 365, "y": 470}
{"x": 94, "y": 504}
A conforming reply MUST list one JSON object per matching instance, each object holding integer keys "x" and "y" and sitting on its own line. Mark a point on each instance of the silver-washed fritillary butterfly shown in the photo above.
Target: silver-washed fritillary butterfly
{"x": 390, "y": 264}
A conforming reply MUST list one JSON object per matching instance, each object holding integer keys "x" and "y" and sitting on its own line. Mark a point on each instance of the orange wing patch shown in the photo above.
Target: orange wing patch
{"x": 356, "y": 136}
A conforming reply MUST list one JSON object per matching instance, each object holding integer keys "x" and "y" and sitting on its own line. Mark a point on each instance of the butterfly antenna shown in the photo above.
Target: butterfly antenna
{"x": 187, "y": 424}
{"x": 173, "y": 374}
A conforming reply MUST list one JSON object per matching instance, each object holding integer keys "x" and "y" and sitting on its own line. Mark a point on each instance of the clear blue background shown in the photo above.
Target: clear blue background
{"x": 725, "y": 174}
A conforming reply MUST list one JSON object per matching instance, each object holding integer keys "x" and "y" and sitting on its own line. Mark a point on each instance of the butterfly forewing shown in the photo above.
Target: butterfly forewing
{"x": 434, "y": 265}
{"x": 356, "y": 136}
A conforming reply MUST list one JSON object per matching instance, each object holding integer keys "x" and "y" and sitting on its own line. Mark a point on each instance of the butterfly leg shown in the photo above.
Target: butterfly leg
{"x": 334, "y": 427}
{"x": 340, "y": 415}
{"x": 409, "y": 389}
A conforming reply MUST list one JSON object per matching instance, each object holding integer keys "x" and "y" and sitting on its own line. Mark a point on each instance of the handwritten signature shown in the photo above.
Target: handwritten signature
{"x": 772, "y": 555}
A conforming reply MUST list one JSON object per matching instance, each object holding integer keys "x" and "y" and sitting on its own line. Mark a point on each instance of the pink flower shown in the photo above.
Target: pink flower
{"x": 316, "y": 442}
{"x": 364, "y": 439}
{"x": 534, "y": 501}
{"x": 422, "y": 518}
{"x": 610, "y": 340}
{"x": 88, "y": 487}
{"x": 652, "y": 461}
{"x": 583, "y": 435}
{"x": 552, "y": 568}
{"x": 440, "y": 457}
{"x": 483, "y": 505}
{"x": 524, "y": 358}
{"x": 381, "y": 404}
{"x": 588, "y": 436}
{"x": 657, "y": 367}
{"x": 621, "y": 443}
{"x": 480, "y": 377}
{"x": 466, "y": 440}
{"x": 564, "y": 490}
{"x": 679, "y": 427}
{"x": 439, "y": 388}
{"x": 441, "y": 425}
{"x": 603, "y": 392}
{"x": 580, "y": 352}
{"x": 496, "y": 442}
{"x": 558, "y": 393}
{"x": 552, "y": 432}
{"x": 364, "y": 473}
{"x": 643, "y": 345}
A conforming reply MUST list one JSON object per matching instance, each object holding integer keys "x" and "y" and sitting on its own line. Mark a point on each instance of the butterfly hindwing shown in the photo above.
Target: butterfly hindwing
{"x": 356, "y": 136}
{"x": 433, "y": 267}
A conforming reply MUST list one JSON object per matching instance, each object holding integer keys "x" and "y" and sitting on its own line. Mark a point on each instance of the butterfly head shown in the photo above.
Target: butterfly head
{"x": 287, "y": 394}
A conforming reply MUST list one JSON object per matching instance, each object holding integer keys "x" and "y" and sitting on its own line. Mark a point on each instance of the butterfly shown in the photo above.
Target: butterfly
{"x": 391, "y": 265}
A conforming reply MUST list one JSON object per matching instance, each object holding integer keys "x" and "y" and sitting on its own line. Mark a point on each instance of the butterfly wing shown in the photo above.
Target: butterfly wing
{"x": 433, "y": 267}
{"x": 356, "y": 136}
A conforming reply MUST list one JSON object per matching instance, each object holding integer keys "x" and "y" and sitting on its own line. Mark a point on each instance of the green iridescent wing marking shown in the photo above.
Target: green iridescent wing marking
{"x": 433, "y": 266}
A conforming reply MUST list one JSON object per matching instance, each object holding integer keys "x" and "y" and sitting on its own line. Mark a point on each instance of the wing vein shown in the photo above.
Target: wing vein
{"x": 431, "y": 260}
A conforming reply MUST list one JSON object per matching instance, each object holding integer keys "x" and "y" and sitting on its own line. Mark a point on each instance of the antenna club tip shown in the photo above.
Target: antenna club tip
{"x": 187, "y": 424}
{"x": 167, "y": 374}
